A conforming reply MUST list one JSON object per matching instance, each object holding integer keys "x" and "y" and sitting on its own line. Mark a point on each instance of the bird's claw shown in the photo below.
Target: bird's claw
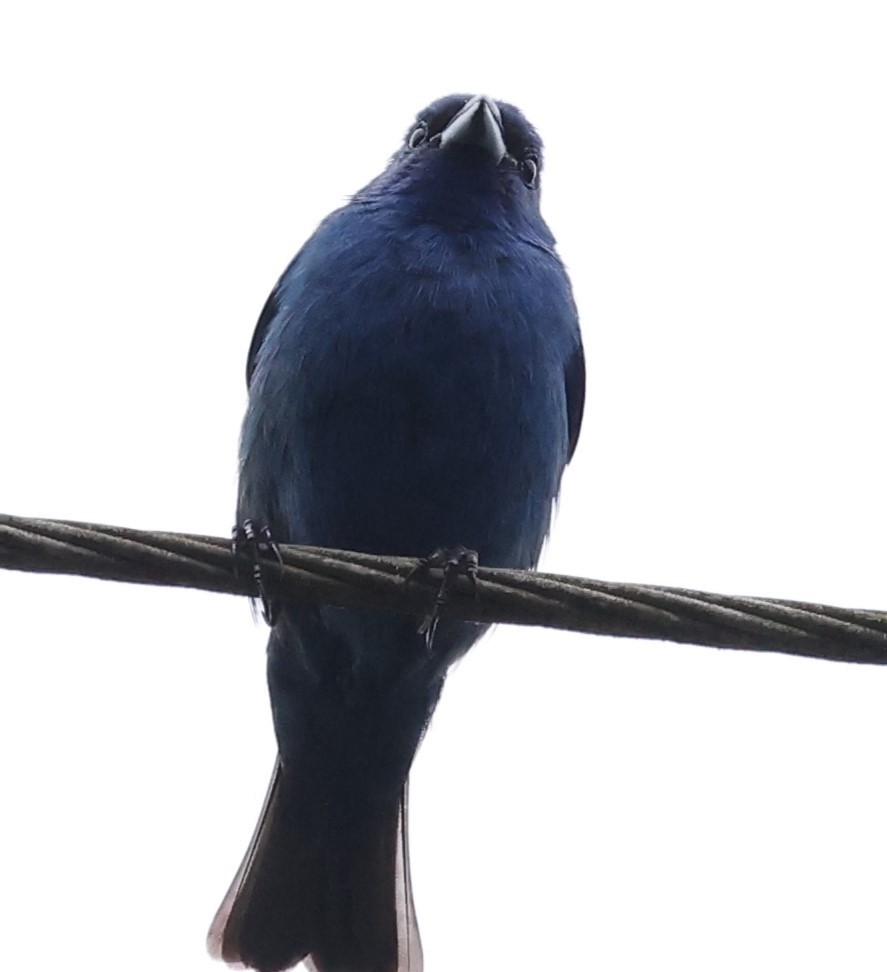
{"x": 253, "y": 543}
{"x": 454, "y": 562}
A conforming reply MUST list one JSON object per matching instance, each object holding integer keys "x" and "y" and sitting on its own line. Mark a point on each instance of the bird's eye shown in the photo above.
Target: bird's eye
{"x": 529, "y": 171}
{"x": 418, "y": 135}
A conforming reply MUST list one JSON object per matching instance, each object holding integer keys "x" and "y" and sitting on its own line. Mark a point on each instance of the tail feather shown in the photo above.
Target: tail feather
{"x": 409, "y": 945}
{"x": 266, "y": 919}
{"x": 314, "y": 887}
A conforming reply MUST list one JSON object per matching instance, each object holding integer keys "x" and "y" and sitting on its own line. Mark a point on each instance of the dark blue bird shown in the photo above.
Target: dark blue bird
{"x": 416, "y": 381}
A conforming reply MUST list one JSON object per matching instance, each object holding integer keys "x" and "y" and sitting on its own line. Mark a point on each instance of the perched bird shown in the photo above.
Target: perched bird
{"x": 416, "y": 381}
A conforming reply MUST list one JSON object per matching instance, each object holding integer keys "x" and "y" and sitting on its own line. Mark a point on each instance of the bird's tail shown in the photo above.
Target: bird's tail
{"x": 335, "y": 891}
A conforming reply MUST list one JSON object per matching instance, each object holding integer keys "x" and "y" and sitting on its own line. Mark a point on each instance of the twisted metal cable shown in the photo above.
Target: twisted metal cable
{"x": 517, "y": 597}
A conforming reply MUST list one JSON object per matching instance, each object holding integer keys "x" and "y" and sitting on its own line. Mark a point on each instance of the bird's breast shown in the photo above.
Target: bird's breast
{"x": 418, "y": 403}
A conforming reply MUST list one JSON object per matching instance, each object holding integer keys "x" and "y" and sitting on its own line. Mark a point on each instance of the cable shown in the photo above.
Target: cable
{"x": 517, "y": 597}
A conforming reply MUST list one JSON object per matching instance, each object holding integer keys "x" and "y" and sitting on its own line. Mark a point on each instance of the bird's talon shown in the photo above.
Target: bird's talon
{"x": 255, "y": 544}
{"x": 455, "y": 562}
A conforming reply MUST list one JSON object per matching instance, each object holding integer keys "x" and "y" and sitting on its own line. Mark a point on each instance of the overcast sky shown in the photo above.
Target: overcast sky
{"x": 716, "y": 179}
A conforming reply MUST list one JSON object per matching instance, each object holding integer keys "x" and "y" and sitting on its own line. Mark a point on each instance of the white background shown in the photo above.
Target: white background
{"x": 716, "y": 178}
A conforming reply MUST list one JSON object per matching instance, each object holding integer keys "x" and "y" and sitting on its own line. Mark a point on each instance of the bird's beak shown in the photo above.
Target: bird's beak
{"x": 478, "y": 123}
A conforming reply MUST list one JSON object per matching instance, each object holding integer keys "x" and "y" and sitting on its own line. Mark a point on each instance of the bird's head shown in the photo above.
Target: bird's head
{"x": 466, "y": 160}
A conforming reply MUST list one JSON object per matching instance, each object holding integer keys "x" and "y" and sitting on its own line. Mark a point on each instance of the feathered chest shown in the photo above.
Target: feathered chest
{"x": 476, "y": 316}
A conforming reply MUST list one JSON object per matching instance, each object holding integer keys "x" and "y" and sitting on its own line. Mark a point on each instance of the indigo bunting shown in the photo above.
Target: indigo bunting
{"x": 416, "y": 382}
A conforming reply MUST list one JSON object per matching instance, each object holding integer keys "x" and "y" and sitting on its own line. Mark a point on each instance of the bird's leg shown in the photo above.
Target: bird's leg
{"x": 253, "y": 542}
{"x": 455, "y": 562}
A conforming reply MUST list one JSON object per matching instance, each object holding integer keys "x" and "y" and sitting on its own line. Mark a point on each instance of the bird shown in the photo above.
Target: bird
{"x": 416, "y": 383}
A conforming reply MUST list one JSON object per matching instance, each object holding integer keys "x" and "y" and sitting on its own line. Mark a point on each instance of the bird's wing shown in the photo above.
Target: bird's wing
{"x": 574, "y": 379}
{"x": 269, "y": 312}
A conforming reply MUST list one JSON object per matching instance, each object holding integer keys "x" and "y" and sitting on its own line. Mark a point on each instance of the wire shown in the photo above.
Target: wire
{"x": 350, "y": 579}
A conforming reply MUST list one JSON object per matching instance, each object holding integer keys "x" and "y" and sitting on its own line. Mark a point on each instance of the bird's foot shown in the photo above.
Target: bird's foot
{"x": 253, "y": 543}
{"x": 454, "y": 562}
